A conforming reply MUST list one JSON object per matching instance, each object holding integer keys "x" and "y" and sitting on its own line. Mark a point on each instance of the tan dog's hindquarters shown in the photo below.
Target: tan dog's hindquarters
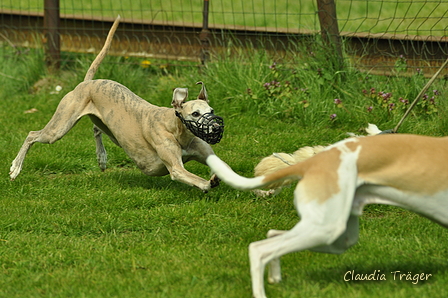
{"x": 57, "y": 128}
{"x": 153, "y": 137}
{"x": 277, "y": 161}
{"x": 335, "y": 185}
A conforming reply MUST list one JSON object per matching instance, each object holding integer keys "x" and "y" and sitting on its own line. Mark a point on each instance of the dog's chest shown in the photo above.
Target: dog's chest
{"x": 186, "y": 155}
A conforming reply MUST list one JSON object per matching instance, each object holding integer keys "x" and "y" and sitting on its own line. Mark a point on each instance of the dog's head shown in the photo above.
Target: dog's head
{"x": 197, "y": 115}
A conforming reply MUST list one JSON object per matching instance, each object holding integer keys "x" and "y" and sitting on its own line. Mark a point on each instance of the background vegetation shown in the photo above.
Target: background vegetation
{"x": 69, "y": 230}
{"x": 374, "y": 16}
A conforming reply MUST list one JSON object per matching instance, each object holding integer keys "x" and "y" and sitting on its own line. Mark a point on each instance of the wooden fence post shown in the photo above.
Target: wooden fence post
{"x": 51, "y": 31}
{"x": 205, "y": 43}
{"x": 329, "y": 26}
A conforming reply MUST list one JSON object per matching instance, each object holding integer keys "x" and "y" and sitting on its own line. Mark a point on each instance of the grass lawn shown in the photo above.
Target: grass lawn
{"x": 69, "y": 230}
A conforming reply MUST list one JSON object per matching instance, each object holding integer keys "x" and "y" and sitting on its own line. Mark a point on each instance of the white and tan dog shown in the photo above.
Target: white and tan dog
{"x": 155, "y": 138}
{"x": 395, "y": 169}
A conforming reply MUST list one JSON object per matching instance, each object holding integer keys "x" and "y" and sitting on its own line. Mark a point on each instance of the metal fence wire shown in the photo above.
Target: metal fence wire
{"x": 374, "y": 34}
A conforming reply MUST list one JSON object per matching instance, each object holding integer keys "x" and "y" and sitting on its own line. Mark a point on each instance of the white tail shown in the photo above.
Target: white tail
{"x": 226, "y": 174}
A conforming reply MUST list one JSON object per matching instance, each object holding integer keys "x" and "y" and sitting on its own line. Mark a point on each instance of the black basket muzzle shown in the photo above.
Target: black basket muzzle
{"x": 208, "y": 127}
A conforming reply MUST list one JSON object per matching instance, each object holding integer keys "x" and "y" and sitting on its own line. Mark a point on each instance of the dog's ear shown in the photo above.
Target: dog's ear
{"x": 203, "y": 94}
{"x": 179, "y": 97}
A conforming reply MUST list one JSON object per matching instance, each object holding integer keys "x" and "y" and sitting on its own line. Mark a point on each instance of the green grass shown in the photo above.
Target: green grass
{"x": 396, "y": 17}
{"x": 69, "y": 230}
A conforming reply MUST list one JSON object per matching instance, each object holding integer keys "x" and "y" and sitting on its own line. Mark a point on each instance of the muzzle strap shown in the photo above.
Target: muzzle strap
{"x": 208, "y": 127}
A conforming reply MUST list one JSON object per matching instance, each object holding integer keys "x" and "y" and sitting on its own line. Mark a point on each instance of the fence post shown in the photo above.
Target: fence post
{"x": 204, "y": 34}
{"x": 51, "y": 31}
{"x": 329, "y": 26}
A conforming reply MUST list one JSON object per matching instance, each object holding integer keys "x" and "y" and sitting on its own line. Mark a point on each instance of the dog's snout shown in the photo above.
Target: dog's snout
{"x": 208, "y": 127}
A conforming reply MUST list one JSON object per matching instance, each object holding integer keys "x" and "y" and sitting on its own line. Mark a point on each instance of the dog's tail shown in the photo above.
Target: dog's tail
{"x": 96, "y": 63}
{"x": 226, "y": 174}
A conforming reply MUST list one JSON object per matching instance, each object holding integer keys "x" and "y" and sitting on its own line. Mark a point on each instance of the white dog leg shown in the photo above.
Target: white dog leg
{"x": 297, "y": 239}
{"x": 274, "y": 269}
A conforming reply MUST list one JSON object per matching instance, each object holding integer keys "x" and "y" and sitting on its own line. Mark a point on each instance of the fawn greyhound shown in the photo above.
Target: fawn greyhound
{"x": 158, "y": 139}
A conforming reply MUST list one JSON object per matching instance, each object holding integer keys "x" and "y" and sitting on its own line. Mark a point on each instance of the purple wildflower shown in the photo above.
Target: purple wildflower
{"x": 386, "y": 96}
{"x": 405, "y": 101}
{"x": 337, "y": 101}
{"x": 275, "y": 83}
{"x": 432, "y": 100}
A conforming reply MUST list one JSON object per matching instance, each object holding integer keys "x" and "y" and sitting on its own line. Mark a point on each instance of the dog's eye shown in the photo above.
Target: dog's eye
{"x": 212, "y": 112}
{"x": 196, "y": 114}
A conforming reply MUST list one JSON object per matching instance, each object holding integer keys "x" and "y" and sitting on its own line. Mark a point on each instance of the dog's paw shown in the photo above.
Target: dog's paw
{"x": 214, "y": 181}
{"x": 14, "y": 170}
{"x": 266, "y": 193}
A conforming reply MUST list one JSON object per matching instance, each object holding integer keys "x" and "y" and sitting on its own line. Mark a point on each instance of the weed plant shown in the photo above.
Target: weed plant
{"x": 69, "y": 230}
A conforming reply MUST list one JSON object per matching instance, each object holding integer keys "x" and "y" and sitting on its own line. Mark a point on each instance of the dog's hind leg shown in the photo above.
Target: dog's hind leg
{"x": 66, "y": 116}
{"x": 346, "y": 240}
{"x": 101, "y": 154}
{"x": 305, "y": 235}
{"x": 324, "y": 201}
{"x": 275, "y": 273}
{"x": 17, "y": 163}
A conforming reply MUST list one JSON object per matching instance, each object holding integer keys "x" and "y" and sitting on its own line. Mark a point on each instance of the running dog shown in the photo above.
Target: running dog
{"x": 404, "y": 170}
{"x": 158, "y": 139}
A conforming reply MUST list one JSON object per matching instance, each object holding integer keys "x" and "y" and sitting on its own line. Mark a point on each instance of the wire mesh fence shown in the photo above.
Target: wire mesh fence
{"x": 376, "y": 34}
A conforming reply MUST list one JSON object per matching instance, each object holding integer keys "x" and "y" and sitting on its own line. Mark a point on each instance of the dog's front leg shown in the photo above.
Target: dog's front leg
{"x": 214, "y": 181}
{"x": 179, "y": 173}
{"x": 171, "y": 156}
{"x": 199, "y": 150}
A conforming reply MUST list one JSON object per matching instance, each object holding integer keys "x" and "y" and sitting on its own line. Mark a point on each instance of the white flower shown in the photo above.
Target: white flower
{"x": 57, "y": 89}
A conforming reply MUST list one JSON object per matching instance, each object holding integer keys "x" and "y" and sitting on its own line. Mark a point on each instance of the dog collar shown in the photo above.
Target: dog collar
{"x": 208, "y": 127}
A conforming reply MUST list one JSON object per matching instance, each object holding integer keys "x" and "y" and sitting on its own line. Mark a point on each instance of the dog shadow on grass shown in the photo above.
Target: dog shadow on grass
{"x": 133, "y": 178}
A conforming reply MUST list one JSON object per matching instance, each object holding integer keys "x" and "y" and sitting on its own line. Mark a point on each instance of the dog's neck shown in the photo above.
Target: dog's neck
{"x": 186, "y": 135}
